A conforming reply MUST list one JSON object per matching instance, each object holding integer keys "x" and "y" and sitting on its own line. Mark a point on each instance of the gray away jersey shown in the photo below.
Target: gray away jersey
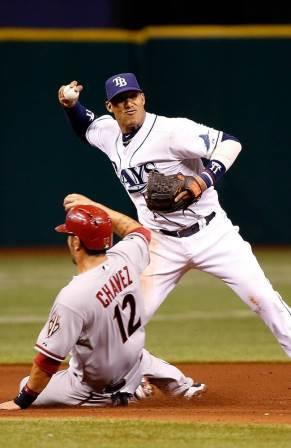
{"x": 98, "y": 317}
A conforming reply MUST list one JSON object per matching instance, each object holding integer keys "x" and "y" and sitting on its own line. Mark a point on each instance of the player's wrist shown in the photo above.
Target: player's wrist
{"x": 201, "y": 183}
{"x": 196, "y": 186}
{"x": 213, "y": 172}
{"x": 69, "y": 104}
{"x": 25, "y": 397}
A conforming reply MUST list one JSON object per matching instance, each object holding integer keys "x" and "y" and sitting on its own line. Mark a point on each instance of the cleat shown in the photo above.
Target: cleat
{"x": 195, "y": 391}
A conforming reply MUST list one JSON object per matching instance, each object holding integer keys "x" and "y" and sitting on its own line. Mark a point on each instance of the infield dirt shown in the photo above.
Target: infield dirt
{"x": 237, "y": 392}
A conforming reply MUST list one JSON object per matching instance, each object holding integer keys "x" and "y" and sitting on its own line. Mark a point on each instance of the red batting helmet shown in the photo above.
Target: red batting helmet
{"x": 91, "y": 224}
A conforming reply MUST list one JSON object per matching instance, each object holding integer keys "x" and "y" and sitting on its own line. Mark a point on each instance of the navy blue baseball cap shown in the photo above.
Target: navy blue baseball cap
{"x": 123, "y": 82}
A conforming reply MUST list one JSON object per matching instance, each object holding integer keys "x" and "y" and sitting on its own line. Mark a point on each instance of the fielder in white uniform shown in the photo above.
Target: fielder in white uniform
{"x": 99, "y": 319}
{"x": 200, "y": 237}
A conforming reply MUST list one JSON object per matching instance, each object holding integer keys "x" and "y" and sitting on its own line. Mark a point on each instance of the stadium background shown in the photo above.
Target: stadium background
{"x": 226, "y": 65}
{"x": 231, "y": 77}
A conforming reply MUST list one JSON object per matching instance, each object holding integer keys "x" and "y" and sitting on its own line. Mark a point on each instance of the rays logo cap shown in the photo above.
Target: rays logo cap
{"x": 123, "y": 82}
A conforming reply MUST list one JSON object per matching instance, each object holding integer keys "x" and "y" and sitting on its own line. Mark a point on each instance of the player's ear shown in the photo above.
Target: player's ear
{"x": 143, "y": 98}
{"x": 76, "y": 243}
{"x": 108, "y": 106}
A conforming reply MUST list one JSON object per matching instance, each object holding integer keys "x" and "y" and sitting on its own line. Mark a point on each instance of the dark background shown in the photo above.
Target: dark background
{"x": 132, "y": 14}
{"x": 240, "y": 85}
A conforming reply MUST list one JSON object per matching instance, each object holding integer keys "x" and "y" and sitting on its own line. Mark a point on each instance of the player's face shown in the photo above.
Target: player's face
{"x": 128, "y": 110}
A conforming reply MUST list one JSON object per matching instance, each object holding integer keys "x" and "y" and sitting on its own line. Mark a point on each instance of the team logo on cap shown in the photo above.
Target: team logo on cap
{"x": 119, "y": 82}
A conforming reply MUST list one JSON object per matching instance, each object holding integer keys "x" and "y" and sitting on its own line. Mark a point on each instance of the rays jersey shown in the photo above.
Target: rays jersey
{"x": 168, "y": 145}
{"x": 98, "y": 317}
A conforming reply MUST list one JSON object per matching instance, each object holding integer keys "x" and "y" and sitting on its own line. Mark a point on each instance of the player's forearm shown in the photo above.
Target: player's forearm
{"x": 221, "y": 160}
{"x": 38, "y": 379}
{"x": 226, "y": 152}
{"x": 122, "y": 224}
{"x": 41, "y": 372}
{"x": 80, "y": 119}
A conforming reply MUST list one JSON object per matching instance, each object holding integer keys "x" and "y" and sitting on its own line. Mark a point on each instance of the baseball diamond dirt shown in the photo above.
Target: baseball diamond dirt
{"x": 237, "y": 392}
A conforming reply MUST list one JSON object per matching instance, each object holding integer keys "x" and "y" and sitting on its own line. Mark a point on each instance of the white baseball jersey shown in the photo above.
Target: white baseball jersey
{"x": 169, "y": 145}
{"x": 172, "y": 145}
{"x": 98, "y": 317}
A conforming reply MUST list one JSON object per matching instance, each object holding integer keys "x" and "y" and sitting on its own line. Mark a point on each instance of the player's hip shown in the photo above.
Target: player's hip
{"x": 174, "y": 253}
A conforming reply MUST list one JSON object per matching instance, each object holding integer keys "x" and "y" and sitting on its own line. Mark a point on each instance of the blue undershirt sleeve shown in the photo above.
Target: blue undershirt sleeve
{"x": 80, "y": 119}
{"x": 226, "y": 136}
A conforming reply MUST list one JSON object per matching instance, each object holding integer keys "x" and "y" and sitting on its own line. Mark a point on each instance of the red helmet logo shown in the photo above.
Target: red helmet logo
{"x": 91, "y": 224}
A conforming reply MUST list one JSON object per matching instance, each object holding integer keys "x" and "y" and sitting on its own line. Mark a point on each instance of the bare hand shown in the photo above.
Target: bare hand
{"x": 74, "y": 199}
{"x": 183, "y": 195}
{"x": 69, "y": 103}
{"x": 193, "y": 191}
{"x": 9, "y": 406}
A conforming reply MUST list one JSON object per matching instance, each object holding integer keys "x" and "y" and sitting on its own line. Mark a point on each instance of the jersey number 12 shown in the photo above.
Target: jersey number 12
{"x": 132, "y": 326}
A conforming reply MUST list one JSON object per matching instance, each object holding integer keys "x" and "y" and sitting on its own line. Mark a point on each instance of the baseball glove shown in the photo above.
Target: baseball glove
{"x": 162, "y": 191}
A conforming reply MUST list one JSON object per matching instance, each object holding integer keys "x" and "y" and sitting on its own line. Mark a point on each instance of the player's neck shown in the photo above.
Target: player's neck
{"x": 89, "y": 262}
{"x": 132, "y": 125}
{"x": 131, "y": 129}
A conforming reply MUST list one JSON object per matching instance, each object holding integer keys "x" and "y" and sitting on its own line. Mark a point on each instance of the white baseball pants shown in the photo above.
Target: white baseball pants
{"x": 217, "y": 249}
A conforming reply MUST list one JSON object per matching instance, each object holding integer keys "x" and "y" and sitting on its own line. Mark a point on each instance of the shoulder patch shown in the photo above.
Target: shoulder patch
{"x": 205, "y": 138}
{"x": 54, "y": 325}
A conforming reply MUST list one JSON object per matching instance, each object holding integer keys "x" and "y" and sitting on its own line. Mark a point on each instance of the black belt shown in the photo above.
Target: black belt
{"x": 187, "y": 231}
{"x": 114, "y": 387}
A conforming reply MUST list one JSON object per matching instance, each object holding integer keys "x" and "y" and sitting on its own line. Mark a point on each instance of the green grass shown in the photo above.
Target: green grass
{"x": 201, "y": 320}
{"x": 89, "y": 432}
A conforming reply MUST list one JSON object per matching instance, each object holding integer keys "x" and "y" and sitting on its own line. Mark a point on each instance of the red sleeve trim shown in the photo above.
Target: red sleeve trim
{"x": 143, "y": 231}
{"x": 46, "y": 364}
{"x": 49, "y": 354}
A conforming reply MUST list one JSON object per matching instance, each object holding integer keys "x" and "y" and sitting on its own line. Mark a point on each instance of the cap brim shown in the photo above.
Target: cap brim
{"x": 61, "y": 228}
{"x": 124, "y": 89}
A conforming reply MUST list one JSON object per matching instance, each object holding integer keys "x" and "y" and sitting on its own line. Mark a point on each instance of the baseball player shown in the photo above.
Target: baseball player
{"x": 201, "y": 236}
{"x": 99, "y": 319}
